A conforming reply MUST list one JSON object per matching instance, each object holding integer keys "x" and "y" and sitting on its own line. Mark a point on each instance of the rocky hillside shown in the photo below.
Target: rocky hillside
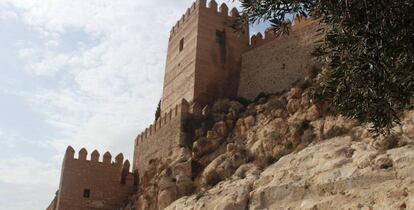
{"x": 344, "y": 172}
{"x": 282, "y": 151}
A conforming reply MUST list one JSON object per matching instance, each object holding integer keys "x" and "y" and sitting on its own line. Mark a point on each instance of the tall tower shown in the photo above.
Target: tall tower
{"x": 204, "y": 56}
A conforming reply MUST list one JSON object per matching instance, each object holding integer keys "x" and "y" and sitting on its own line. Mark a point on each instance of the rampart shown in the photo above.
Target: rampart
{"x": 93, "y": 184}
{"x": 273, "y": 63}
{"x": 159, "y": 141}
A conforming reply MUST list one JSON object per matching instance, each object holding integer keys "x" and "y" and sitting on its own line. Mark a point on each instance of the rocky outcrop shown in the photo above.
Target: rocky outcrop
{"x": 283, "y": 151}
{"x": 306, "y": 160}
{"x": 339, "y": 173}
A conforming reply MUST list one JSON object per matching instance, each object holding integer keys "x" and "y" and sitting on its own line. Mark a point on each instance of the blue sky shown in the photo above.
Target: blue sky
{"x": 86, "y": 73}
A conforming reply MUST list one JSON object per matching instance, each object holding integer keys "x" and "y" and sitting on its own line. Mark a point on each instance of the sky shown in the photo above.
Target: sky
{"x": 86, "y": 73}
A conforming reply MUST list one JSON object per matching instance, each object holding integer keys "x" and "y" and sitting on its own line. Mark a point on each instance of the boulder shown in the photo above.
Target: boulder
{"x": 295, "y": 93}
{"x": 220, "y": 129}
{"x": 166, "y": 197}
{"x": 206, "y": 145}
{"x": 293, "y": 105}
{"x": 313, "y": 113}
{"x": 249, "y": 121}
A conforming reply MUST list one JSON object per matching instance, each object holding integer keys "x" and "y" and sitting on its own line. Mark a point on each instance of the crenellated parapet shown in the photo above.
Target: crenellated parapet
{"x": 163, "y": 121}
{"x": 95, "y": 158}
{"x": 258, "y": 39}
{"x": 94, "y": 181}
{"x": 223, "y": 10}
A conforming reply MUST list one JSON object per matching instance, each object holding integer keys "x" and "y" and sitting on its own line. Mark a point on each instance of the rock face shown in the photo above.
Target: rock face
{"x": 282, "y": 151}
{"x": 339, "y": 173}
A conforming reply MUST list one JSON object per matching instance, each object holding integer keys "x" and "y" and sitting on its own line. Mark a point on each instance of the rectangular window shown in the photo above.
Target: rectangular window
{"x": 86, "y": 193}
{"x": 221, "y": 40}
{"x": 181, "y": 44}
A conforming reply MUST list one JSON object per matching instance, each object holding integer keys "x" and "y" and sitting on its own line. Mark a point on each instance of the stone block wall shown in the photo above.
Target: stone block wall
{"x": 274, "y": 63}
{"x": 219, "y": 51}
{"x": 179, "y": 78}
{"x": 204, "y": 55}
{"x": 93, "y": 184}
{"x": 160, "y": 142}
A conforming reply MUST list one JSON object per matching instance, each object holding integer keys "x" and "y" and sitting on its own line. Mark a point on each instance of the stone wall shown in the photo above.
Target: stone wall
{"x": 219, "y": 52}
{"x": 273, "y": 64}
{"x": 179, "y": 71}
{"x": 160, "y": 142}
{"x": 91, "y": 184}
{"x": 204, "y": 55}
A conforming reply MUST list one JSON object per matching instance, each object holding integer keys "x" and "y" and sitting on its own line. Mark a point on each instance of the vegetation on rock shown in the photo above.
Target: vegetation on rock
{"x": 158, "y": 111}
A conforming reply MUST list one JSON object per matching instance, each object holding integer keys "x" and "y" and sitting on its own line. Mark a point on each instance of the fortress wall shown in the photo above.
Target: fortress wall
{"x": 204, "y": 66}
{"x": 158, "y": 142}
{"x": 109, "y": 183}
{"x": 274, "y": 63}
{"x": 218, "y": 61}
{"x": 179, "y": 76}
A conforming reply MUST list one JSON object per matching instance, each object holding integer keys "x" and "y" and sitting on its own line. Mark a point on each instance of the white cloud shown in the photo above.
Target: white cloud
{"x": 26, "y": 170}
{"x": 8, "y": 140}
{"x": 104, "y": 94}
{"x": 111, "y": 89}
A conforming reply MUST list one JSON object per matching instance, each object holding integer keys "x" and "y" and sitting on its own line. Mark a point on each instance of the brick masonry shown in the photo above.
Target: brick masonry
{"x": 204, "y": 55}
{"x": 93, "y": 184}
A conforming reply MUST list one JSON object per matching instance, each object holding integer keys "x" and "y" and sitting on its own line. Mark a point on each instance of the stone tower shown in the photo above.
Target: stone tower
{"x": 204, "y": 56}
{"x": 87, "y": 184}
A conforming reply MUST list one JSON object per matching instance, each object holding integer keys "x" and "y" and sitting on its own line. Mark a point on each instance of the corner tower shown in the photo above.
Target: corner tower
{"x": 204, "y": 56}
{"x": 87, "y": 184}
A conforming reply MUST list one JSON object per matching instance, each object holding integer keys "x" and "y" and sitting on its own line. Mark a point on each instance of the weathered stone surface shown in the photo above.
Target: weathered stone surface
{"x": 295, "y": 93}
{"x": 325, "y": 176}
{"x": 229, "y": 195}
{"x": 312, "y": 113}
{"x": 166, "y": 197}
{"x": 249, "y": 121}
{"x": 221, "y": 129}
{"x": 205, "y": 145}
{"x": 293, "y": 105}
{"x": 334, "y": 174}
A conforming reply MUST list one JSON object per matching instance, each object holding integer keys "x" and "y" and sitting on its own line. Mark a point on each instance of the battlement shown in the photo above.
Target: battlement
{"x": 223, "y": 10}
{"x": 258, "y": 39}
{"x": 94, "y": 183}
{"x": 95, "y": 157}
{"x": 163, "y": 121}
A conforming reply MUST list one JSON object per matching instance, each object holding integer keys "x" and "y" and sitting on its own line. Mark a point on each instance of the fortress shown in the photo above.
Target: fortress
{"x": 206, "y": 60}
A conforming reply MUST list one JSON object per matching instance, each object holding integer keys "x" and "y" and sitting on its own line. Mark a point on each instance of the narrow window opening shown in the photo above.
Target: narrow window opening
{"x": 220, "y": 37}
{"x": 181, "y": 44}
{"x": 86, "y": 193}
{"x": 221, "y": 40}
